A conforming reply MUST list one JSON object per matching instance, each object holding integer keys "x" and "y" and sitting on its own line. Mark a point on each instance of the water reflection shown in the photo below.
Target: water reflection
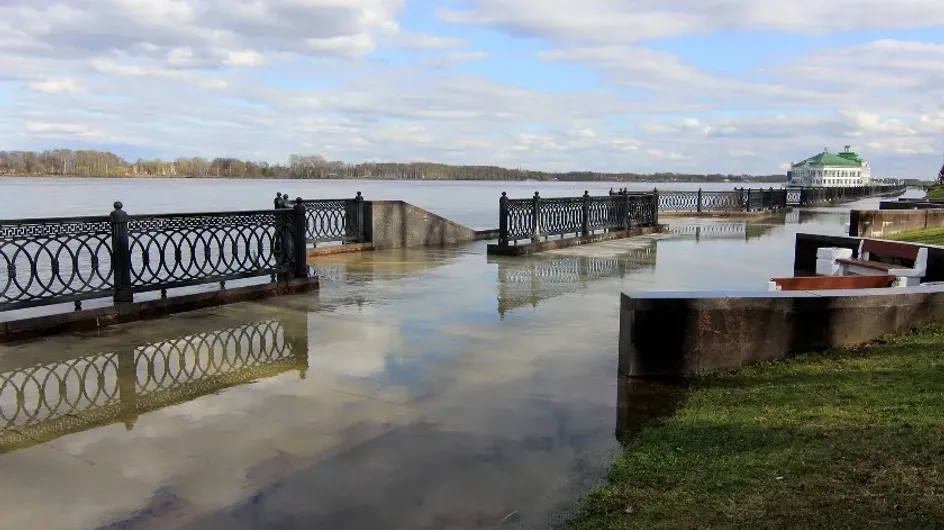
{"x": 45, "y": 401}
{"x": 525, "y": 282}
{"x": 713, "y": 231}
{"x": 365, "y": 267}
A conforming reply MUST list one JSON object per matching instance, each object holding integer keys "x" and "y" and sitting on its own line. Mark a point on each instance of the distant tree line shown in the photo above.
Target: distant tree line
{"x": 87, "y": 163}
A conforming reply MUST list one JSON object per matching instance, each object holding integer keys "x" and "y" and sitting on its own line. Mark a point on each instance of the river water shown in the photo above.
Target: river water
{"x": 419, "y": 389}
{"x": 473, "y": 203}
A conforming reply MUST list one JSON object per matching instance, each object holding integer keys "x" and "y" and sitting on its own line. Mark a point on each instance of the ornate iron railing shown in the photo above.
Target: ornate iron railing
{"x": 820, "y": 196}
{"x": 751, "y": 200}
{"x": 60, "y": 260}
{"x": 737, "y": 200}
{"x": 331, "y": 220}
{"x": 523, "y": 284}
{"x": 169, "y": 251}
{"x": 51, "y": 261}
{"x": 793, "y": 196}
{"x": 581, "y": 216}
{"x": 45, "y": 401}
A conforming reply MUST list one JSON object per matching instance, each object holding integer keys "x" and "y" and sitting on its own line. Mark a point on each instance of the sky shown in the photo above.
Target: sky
{"x": 729, "y": 86}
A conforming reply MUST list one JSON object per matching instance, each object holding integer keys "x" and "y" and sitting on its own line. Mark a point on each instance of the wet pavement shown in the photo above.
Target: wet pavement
{"x": 420, "y": 389}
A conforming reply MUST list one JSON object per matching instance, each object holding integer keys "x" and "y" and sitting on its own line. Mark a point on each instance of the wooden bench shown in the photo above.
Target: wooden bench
{"x": 877, "y": 257}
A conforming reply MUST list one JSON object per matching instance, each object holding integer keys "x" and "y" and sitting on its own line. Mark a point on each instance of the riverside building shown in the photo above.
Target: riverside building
{"x": 830, "y": 170}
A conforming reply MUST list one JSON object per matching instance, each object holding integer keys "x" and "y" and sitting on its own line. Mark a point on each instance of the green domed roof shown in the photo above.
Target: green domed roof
{"x": 847, "y": 158}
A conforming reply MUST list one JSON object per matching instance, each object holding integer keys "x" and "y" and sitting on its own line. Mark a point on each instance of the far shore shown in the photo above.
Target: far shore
{"x": 214, "y": 177}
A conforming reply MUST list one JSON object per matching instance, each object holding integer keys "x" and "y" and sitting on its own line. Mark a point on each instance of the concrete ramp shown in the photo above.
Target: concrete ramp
{"x": 399, "y": 224}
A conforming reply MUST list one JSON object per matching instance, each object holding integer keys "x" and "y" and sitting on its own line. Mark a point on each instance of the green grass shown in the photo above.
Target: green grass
{"x": 847, "y": 439}
{"x": 931, "y": 236}
{"x": 936, "y": 193}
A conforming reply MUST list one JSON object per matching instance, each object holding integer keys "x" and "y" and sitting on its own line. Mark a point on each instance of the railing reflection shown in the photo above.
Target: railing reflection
{"x": 45, "y": 401}
{"x": 526, "y": 282}
{"x": 801, "y": 217}
{"x": 714, "y": 231}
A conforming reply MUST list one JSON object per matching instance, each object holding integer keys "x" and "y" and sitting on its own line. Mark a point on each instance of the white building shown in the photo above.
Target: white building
{"x": 830, "y": 170}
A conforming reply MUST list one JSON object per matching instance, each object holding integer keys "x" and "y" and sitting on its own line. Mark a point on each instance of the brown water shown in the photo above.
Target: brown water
{"x": 420, "y": 389}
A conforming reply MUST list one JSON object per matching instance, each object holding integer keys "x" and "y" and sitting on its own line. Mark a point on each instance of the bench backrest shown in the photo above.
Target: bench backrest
{"x": 890, "y": 249}
{"x": 818, "y": 283}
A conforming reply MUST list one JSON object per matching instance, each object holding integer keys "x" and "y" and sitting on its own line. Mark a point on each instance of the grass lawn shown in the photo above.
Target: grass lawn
{"x": 936, "y": 193}
{"x": 931, "y": 236}
{"x": 847, "y": 439}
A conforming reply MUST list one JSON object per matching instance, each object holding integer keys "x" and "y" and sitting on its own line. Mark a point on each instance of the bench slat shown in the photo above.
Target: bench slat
{"x": 879, "y": 266}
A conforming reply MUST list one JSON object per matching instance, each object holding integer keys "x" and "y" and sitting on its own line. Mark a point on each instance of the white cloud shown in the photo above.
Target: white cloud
{"x": 60, "y": 129}
{"x": 344, "y": 78}
{"x": 417, "y": 41}
{"x": 54, "y": 86}
{"x": 622, "y": 21}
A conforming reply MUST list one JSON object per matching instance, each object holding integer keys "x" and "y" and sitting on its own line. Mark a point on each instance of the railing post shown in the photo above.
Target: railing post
{"x": 535, "y": 218}
{"x": 626, "y": 210}
{"x": 585, "y": 214}
{"x": 503, "y": 220}
{"x": 699, "y": 201}
{"x": 300, "y": 257}
{"x": 121, "y": 255}
{"x": 655, "y": 206}
{"x": 359, "y": 214}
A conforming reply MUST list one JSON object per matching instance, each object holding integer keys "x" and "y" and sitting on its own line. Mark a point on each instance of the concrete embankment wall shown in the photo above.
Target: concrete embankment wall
{"x": 685, "y": 333}
{"x": 880, "y": 223}
{"x": 678, "y": 334}
{"x": 399, "y": 224}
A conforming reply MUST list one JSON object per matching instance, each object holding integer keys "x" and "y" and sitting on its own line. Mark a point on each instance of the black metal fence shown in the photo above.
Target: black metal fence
{"x": 759, "y": 199}
{"x": 539, "y": 217}
{"x": 331, "y": 220}
{"x": 61, "y": 260}
{"x": 819, "y": 196}
{"x": 736, "y": 200}
{"x": 44, "y": 401}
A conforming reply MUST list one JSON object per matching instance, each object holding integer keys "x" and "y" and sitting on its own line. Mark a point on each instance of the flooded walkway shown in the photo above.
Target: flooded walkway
{"x": 418, "y": 390}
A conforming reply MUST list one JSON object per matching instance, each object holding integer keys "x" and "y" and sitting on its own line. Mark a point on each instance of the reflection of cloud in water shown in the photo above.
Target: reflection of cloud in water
{"x": 356, "y": 347}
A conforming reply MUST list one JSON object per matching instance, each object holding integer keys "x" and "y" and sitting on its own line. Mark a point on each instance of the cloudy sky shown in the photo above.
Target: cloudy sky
{"x": 610, "y": 85}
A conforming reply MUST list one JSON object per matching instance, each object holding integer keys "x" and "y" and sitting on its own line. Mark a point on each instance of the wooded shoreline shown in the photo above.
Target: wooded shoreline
{"x": 104, "y": 164}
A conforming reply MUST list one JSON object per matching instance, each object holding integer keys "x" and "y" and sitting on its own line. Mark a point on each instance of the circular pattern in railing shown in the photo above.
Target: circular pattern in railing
{"x": 64, "y": 261}
{"x": 171, "y": 250}
{"x": 39, "y": 396}
{"x": 330, "y": 220}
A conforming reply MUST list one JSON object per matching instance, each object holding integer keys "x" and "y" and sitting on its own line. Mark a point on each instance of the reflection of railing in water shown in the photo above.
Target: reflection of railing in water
{"x": 711, "y": 231}
{"x": 43, "y": 402}
{"x": 526, "y": 283}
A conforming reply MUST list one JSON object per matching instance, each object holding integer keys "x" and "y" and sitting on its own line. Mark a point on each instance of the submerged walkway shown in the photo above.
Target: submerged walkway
{"x": 421, "y": 389}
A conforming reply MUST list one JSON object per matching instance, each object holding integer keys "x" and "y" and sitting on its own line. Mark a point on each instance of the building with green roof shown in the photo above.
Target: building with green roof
{"x": 830, "y": 170}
